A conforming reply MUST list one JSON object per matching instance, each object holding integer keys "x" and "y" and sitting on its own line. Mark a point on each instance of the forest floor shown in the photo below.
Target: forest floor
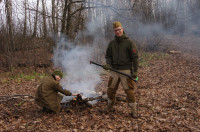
{"x": 168, "y": 97}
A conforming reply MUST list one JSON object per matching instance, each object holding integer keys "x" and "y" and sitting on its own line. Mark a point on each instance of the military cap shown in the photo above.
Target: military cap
{"x": 57, "y": 72}
{"x": 116, "y": 24}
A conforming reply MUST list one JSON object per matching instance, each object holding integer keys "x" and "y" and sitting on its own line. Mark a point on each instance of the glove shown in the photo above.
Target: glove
{"x": 106, "y": 67}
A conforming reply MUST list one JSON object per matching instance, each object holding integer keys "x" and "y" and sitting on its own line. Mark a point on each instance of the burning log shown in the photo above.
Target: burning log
{"x": 77, "y": 103}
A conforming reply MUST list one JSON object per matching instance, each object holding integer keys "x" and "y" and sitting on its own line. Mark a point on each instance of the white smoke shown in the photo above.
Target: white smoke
{"x": 80, "y": 76}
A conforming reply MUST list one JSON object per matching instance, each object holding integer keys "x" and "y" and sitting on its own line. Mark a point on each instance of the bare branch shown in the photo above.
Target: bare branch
{"x": 16, "y": 95}
{"x": 43, "y": 13}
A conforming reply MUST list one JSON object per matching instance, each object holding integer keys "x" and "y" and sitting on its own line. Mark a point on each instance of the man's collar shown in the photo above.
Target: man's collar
{"x": 53, "y": 76}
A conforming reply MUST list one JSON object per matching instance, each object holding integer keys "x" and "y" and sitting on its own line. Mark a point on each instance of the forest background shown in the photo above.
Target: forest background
{"x": 38, "y": 36}
{"x": 30, "y": 30}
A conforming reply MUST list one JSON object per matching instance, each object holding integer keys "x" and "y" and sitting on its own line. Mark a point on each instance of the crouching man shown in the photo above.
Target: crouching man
{"x": 47, "y": 94}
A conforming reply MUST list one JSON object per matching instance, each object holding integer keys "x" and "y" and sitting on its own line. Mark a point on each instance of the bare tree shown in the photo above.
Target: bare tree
{"x": 44, "y": 19}
{"x": 36, "y": 20}
{"x": 64, "y": 17}
{"x": 30, "y": 23}
{"x": 57, "y": 22}
{"x": 11, "y": 47}
{"x": 25, "y": 18}
{"x": 9, "y": 18}
{"x": 74, "y": 17}
{"x": 53, "y": 16}
{"x": 80, "y": 21}
{"x": 69, "y": 18}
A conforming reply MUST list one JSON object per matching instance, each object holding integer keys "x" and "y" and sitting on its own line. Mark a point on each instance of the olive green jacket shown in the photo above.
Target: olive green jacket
{"x": 47, "y": 94}
{"x": 122, "y": 54}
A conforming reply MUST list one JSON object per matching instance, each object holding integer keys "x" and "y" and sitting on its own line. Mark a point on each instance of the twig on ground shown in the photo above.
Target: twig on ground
{"x": 16, "y": 95}
{"x": 5, "y": 98}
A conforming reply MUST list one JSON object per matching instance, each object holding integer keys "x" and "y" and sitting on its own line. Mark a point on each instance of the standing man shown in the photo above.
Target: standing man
{"x": 47, "y": 94}
{"x": 121, "y": 55}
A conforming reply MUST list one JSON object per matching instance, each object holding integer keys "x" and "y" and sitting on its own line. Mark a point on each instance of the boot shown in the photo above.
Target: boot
{"x": 134, "y": 113}
{"x": 46, "y": 110}
{"x": 109, "y": 107}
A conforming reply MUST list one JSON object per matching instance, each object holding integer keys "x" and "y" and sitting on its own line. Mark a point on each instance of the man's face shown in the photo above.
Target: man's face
{"x": 119, "y": 31}
{"x": 58, "y": 78}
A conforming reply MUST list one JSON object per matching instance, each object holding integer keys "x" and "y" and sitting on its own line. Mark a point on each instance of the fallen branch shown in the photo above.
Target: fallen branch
{"x": 16, "y": 95}
{"x": 174, "y": 52}
{"x": 5, "y": 98}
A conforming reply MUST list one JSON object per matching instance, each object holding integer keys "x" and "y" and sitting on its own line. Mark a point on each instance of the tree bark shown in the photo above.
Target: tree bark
{"x": 79, "y": 22}
{"x": 53, "y": 16}
{"x": 36, "y": 20}
{"x": 10, "y": 50}
{"x": 9, "y": 19}
{"x": 69, "y": 19}
{"x": 44, "y": 19}
{"x": 30, "y": 23}
{"x": 25, "y": 18}
{"x": 57, "y": 22}
{"x": 64, "y": 17}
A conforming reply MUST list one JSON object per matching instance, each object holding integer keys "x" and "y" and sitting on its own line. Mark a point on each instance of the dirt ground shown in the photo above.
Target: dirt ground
{"x": 168, "y": 97}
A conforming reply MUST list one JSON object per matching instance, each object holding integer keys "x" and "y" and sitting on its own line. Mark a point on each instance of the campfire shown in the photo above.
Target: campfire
{"x": 78, "y": 103}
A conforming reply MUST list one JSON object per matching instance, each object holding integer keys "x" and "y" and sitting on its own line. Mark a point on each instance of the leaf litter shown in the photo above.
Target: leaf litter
{"x": 168, "y": 97}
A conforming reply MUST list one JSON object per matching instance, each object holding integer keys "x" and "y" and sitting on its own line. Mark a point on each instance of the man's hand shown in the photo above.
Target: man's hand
{"x": 134, "y": 75}
{"x": 74, "y": 94}
{"x": 106, "y": 67}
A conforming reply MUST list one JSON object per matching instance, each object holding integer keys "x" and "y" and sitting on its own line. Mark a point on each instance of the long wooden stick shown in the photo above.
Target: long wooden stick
{"x": 91, "y": 62}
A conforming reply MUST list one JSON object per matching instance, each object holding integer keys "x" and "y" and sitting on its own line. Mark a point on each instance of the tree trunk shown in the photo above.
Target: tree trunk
{"x": 9, "y": 19}
{"x": 64, "y": 17}
{"x": 57, "y": 22}
{"x": 69, "y": 19}
{"x": 79, "y": 21}
{"x": 44, "y": 19}
{"x": 49, "y": 19}
{"x": 25, "y": 18}
{"x": 30, "y": 23}
{"x": 36, "y": 20}
{"x": 8, "y": 7}
{"x": 53, "y": 16}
